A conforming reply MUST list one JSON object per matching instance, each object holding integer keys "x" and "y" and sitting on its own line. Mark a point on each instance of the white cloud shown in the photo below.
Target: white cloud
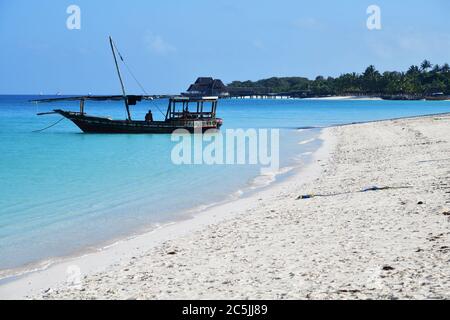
{"x": 156, "y": 44}
{"x": 409, "y": 44}
{"x": 425, "y": 42}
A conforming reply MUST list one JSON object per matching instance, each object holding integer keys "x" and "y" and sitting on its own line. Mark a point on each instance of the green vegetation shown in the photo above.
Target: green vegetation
{"x": 418, "y": 81}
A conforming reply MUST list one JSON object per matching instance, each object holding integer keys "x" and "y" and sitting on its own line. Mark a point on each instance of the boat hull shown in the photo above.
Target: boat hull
{"x": 91, "y": 124}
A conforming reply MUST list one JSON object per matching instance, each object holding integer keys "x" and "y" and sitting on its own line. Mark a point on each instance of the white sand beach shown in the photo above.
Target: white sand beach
{"x": 332, "y": 98}
{"x": 386, "y": 244}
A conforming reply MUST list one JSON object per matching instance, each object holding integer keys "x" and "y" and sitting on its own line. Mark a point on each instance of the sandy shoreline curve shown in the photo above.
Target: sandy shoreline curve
{"x": 390, "y": 243}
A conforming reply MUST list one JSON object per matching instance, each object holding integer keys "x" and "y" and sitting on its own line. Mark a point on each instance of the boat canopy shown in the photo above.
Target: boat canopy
{"x": 130, "y": 98}
{"x": 178, "y": 108}
{"x": 193, "y": 99}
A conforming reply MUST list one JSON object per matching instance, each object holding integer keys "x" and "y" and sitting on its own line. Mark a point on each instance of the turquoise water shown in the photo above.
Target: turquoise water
{"x": 62, "y": 191}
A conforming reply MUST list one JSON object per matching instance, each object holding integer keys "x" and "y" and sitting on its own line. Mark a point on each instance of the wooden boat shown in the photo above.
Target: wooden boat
{"x": 177, "y": 116}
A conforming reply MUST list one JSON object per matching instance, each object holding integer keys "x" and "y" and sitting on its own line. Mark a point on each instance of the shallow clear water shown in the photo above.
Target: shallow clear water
{"x": 62, "y": 191}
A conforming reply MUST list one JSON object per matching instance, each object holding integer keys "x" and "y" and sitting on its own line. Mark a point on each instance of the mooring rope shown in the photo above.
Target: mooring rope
{"x": 40, "y": 130}
{"x": 373, "y": 188}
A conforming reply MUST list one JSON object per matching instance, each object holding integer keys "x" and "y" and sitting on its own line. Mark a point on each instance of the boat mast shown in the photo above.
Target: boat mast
{"x": 125, "y": 99}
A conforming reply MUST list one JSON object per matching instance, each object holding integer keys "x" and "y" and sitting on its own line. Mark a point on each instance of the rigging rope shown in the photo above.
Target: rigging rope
{"x": 135, "y": 79}
{"x": 40, "y": 130}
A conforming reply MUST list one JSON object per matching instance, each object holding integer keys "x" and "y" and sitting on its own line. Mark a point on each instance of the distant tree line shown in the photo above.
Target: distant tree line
{"x": 418, "y": 81}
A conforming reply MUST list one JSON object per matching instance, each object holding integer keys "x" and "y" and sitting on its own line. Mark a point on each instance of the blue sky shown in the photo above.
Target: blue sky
{"x": 169, "y": 43}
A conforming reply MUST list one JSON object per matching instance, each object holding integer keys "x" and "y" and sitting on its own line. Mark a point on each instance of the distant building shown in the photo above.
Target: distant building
{"x": 207, "y": 86}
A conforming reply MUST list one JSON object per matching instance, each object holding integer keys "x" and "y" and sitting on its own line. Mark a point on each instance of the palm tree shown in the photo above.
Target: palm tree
{"x": 370, "y": 79}
{"x": 436, "y": 69}
{"x": 413, "y": 70}
{"x": 445, "y": 68}
{"x": 371, "y": 71}
{"x": 425, "y": 65}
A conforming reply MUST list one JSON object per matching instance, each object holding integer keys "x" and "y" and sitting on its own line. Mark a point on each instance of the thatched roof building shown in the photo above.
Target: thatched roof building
{"x": 207, "y": 86}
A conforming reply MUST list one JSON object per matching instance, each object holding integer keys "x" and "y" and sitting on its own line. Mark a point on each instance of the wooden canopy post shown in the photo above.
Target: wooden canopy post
{"x": 213, "y": 111}
{"x": 82, "y": 106}
{"x": 168, "y": 109}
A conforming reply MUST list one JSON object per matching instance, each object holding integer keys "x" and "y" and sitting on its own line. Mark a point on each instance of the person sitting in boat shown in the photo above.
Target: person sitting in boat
{"x": 186, "y": 113}
{"x": 149, "y": 116}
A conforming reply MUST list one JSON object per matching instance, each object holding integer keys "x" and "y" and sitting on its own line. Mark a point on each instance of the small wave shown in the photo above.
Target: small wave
{"x": 307, "y": 141}
{"x": 268, "y": 177}
{"x": 300, "y": 129}
{"x": 14, "y": 273}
